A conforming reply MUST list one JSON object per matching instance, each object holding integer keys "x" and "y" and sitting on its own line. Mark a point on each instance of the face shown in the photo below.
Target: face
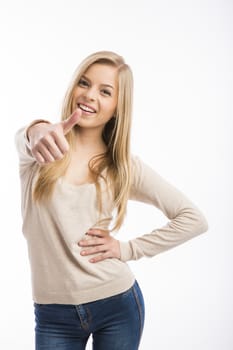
{"x": 96, "y": 95}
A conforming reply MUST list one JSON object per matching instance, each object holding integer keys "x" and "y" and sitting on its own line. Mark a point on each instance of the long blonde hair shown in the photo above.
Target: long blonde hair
{"x": 116, "y": 135}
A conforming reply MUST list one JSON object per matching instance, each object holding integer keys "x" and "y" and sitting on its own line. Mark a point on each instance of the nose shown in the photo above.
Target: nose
{"x": 91, "y": 94}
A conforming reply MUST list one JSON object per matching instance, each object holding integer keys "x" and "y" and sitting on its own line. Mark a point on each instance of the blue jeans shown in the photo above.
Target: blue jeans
{"x": 116, "y": 323}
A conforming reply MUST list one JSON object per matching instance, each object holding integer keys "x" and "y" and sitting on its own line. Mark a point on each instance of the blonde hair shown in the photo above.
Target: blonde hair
{"x": 116, "y": 135}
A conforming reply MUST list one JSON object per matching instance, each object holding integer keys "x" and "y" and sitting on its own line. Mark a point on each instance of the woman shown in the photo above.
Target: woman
{"x": 76, "y": 178}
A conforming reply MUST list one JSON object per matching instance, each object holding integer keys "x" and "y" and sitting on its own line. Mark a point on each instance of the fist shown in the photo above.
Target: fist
{"x": 48, "y": 142}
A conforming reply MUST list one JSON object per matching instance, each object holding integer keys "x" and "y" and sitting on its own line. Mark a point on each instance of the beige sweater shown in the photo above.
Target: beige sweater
{"x": 59, "y": 273}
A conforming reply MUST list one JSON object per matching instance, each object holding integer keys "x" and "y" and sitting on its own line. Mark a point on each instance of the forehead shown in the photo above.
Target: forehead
{"x": 102, "y": 73}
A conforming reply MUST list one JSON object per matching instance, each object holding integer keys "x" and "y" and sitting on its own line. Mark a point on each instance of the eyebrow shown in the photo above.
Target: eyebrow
{"x": 108, "y": 85}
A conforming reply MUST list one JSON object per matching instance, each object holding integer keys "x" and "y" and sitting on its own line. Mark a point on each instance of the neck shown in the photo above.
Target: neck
{"x": 89, "y": 140}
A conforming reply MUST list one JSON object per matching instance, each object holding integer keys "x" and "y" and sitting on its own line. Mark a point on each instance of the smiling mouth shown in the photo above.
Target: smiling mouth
{"x": 86, "y": 108}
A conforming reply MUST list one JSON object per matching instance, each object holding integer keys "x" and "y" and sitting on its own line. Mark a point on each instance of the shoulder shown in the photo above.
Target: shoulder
{"x": 146, "y": 183}
{"x": 139, "y": 169}
{"x": 143, "y": 175}
{"x": 137, "y": 164}
{"x": 136, "y": 168}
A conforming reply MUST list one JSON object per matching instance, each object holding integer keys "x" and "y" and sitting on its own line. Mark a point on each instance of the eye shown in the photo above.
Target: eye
{"x": 106, "y": 92}
{"x": 83, "y": 82}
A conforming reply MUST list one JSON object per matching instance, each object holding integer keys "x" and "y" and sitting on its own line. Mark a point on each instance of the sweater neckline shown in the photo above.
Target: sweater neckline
{"x": 68, "y": 184}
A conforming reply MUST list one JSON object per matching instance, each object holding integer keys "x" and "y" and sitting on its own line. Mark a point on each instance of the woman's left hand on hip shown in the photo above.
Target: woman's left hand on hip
{"x": 102, "y": 242}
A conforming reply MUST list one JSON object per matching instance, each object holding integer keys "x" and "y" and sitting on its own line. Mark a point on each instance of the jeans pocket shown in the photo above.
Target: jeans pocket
{"x": 37, "y": 305}
{"x": 140, "y": 304}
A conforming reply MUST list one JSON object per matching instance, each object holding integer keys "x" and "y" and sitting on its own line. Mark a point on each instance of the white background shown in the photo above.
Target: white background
{"x": 181, "y": 53}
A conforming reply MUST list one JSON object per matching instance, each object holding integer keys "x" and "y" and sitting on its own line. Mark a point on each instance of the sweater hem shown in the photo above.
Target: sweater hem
{"x": 106, "y": 290}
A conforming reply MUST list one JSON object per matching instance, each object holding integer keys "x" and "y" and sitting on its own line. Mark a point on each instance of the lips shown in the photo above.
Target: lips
{"x": 86, "y": 108}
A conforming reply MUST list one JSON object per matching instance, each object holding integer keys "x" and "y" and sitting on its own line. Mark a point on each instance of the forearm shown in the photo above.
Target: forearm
{"x": 187, "y": 225}
{"x": 185, "y": 219}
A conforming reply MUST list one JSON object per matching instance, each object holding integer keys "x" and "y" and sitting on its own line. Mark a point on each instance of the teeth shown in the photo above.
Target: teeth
{"x": 86, "y": 109}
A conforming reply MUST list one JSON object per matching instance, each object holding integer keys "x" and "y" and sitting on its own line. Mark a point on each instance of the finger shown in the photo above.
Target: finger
{"x": 100, "y": 257}
{"x": 94, "y": 250}
{"x": 39, "y": 157}
{"x": 70, "y": 122}
{"x": 61, "y": 142}
{"x": 45, "y": 153}
{"x": 97, "y": 232}
{"x": 91, "y": 242}
{"x": 52, "y": 147}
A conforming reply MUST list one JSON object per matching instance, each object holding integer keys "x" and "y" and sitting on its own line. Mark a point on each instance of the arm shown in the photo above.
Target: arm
{"x": 22, "y": 143}
{"x": 44, "y": 142}
{"x": 186, "y": 220}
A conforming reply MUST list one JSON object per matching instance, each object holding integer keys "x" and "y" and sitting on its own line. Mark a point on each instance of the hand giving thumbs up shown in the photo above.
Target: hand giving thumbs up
{"x": 47, "y": 141}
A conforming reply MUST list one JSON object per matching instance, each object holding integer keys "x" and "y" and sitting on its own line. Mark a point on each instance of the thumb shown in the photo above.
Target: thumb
{"x": 71, "y": 121}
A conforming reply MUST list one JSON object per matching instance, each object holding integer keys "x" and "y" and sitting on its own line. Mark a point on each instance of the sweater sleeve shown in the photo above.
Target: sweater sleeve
{"x": 26, "y": 158}
{"x": 185, "y": 219}
{"x": 22, "y": 144}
